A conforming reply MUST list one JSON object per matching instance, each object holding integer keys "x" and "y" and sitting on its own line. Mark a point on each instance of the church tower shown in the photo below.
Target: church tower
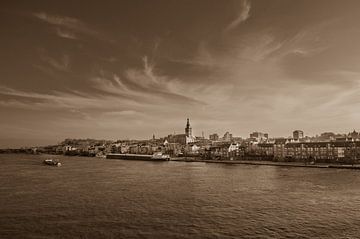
{"x": 188, "y": 130}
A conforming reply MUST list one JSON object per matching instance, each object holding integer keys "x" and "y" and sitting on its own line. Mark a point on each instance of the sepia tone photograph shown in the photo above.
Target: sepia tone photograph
{"x": 179, "y": 119}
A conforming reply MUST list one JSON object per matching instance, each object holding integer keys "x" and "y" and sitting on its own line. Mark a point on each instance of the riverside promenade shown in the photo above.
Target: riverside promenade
{"x": 269, "y": 163}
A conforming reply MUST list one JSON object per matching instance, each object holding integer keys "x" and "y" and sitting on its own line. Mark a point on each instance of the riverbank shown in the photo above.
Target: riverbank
{"x": 248, "y": 162}
{"x": 268, "y": 163}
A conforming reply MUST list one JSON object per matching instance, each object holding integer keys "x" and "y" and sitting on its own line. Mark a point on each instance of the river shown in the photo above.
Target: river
{"x": 100, "y": 198}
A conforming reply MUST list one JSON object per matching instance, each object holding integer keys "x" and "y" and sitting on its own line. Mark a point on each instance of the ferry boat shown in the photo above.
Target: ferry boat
{"x": 52, "y": 162}
{"x": 155, "y": 157}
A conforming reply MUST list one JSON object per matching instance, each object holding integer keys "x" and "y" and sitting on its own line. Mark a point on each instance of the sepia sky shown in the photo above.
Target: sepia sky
{"x": 128, "y": 69}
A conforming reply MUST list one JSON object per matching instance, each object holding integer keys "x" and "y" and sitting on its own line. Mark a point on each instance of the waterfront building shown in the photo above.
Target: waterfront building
{"x": 173, "y": 149}
{"x": 279, "y": 148}
{"x": 224, "y": 151}
{"x": 233, "y": 147}
{"x": 217, "y": 152}
{"x": 68, "y": 148}
{"x": 183, "y": 138}
{"x": 259, "y": 136}
{"x": 191, "y": 149}
{"x": 326, "y": 136}
{"x": 259, "y": 151}
{"x": 266, "y": 149}
{"x": 354, "y": 135}
{"x": 298, "y": 134}
{"x": 214, "y": 137}
{"x": 227, "y": 136}
{"x": 237, "y": 154}
{"x": 124, "y": 149}
{"x": 176, "y": 138}
{"x": 327, "y": 152}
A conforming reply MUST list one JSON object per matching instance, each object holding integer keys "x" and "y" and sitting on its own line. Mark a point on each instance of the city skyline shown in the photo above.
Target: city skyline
{"x": 187, "y": 137}
{"x": 132, "y": 69}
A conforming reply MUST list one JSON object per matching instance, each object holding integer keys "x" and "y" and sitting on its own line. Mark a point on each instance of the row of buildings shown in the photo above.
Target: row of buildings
{"x": 327, "y": 147}
{"x": 286, "y": 151}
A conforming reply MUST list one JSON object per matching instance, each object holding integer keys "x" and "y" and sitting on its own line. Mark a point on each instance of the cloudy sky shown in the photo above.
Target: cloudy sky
{"x": 128, "y": 69}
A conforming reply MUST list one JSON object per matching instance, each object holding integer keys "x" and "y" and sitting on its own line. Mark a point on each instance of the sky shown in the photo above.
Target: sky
{"x": 131, "y": 69}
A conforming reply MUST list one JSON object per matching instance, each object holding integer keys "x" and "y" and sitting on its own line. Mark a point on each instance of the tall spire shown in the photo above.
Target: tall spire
{"x": 188, "y": 130}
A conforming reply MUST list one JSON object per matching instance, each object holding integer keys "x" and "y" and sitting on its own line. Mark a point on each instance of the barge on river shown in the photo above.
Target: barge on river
{"x": 145, "y": 157}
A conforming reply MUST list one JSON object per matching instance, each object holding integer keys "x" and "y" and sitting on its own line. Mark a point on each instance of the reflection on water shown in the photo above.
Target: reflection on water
{"x": 90, "y": 197}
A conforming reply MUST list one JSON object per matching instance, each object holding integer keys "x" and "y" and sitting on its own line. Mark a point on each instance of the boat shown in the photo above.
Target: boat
{"x": 52, "y": 162}
{"x": 155, "y": 157}
{"x": 160, "y": 156}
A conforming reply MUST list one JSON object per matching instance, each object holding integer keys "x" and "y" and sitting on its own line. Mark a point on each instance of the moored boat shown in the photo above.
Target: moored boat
{"x": 52, "y": 162}
{"x": 155, "y": 157}
{"x": 160, "y": 156}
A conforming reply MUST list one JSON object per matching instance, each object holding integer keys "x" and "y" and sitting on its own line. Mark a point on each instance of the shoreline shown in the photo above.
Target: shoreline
{"x": 244, "y": 162}
{"x": 270, "y": 163}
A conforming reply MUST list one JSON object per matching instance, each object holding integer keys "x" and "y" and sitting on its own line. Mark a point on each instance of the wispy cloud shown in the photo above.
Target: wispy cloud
{"x": 243, "y": 15}
{"x": 123, "y": 113}
{"x": 65, "y": 34}
{"x": 62, "y": 65}
{"x": 261, "y": 47}
{"x": 135, "y": 90}
{"x": 66, "y": 100}
{"x": 202, "y": 57}
{"x": 66, "y": 22}
{"x": 306, "y": 42}
{"x": 145, "y": 84}
{"x": 112, "y": 85}
{"x": 59, "y": 20}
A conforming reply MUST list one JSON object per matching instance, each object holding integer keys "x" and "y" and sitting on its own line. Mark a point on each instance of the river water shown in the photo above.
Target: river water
{"x": 99, "y": 198}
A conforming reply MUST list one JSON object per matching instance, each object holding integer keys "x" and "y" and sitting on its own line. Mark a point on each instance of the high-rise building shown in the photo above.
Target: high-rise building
{"x": 259, "y": 136}
{"x": 298, "y": 134}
